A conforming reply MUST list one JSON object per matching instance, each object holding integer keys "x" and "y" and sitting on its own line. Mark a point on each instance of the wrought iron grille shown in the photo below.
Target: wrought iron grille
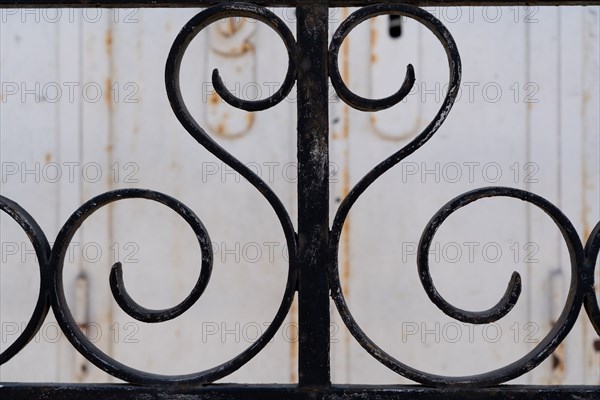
{"x": 313, "y": 266}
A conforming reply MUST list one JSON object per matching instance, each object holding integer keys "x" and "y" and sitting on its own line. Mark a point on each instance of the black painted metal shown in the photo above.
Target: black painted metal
{"x": 313, "y": 194}
{"x": 292, "y": 392}
{"x": 276, "y": 3}
{"x": 313, "y": 266}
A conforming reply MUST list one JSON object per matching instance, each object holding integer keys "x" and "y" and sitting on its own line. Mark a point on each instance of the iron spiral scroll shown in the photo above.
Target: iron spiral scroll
{"x": 51, "y": 259}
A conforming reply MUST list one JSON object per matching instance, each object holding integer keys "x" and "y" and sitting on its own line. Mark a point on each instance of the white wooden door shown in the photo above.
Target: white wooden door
{"x": 84, "y": 111}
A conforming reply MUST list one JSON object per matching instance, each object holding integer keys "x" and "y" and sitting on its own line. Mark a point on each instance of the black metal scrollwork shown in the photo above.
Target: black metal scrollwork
{"x": 582, "y": 261}
{"x": 592, "y": 248}
{"x": 570, "y": 311}
{"x": 51, "y": 261}
{"x": 42, "y": 252}
{"x": 51, "y": 293}
{"x": 61, "y": 309}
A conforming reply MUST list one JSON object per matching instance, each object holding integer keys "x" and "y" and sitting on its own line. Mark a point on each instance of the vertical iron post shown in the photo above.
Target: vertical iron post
{"x": 313, "y": 194}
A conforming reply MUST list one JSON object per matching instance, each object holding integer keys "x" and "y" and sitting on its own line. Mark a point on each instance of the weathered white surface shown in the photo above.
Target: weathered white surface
{"x": 529, "y": 109}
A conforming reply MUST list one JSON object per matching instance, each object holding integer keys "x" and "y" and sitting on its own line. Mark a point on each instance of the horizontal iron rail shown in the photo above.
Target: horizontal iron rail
{"x": 291, "y": 392}
{"x": 275, "y": 3}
